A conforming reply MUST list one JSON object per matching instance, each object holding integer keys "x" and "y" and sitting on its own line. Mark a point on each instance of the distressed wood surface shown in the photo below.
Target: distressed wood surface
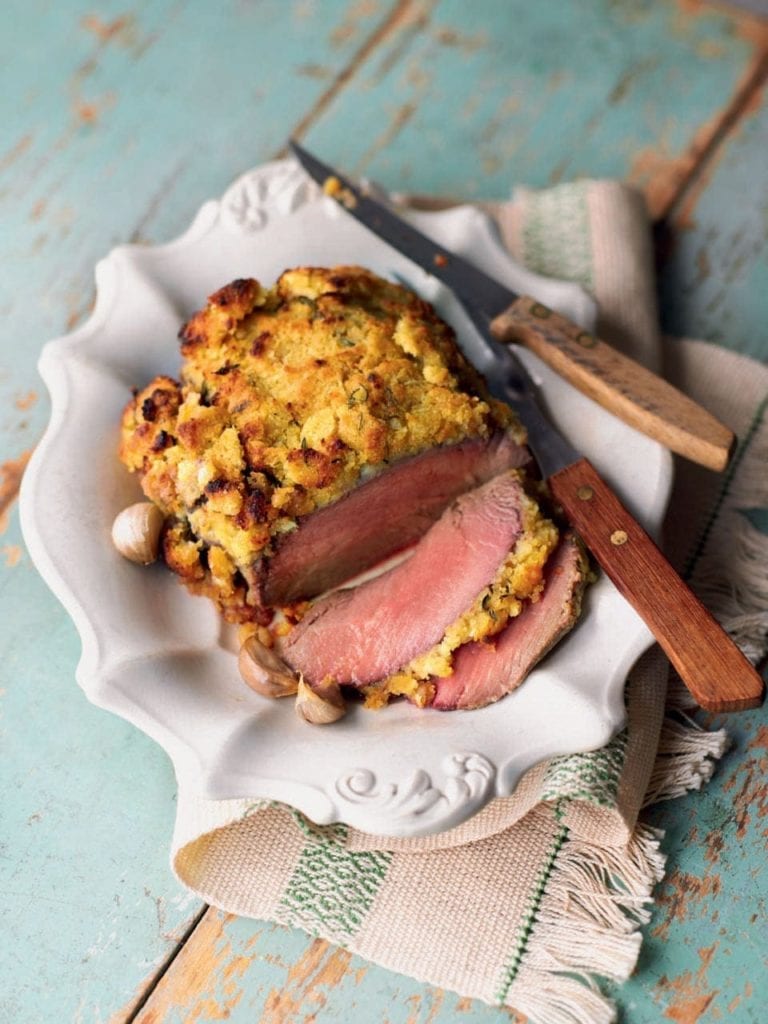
{"x": 704, "y": 956}
{"x": 118, "y": 121}
{"x": 311, "y": 980}
{"x": 714, "y": 276}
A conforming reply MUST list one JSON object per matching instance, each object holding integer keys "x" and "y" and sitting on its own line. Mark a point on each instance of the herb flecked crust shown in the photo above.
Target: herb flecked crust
{"x": 289, "y": 397}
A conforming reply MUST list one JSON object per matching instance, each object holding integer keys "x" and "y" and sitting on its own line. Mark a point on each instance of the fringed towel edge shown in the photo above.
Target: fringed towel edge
{"x": 727, "y": 569}
{"x": 593, "y": 893}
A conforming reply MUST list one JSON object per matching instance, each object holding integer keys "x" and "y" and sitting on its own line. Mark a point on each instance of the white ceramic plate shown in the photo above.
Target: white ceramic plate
{"x": 160, "y": 658}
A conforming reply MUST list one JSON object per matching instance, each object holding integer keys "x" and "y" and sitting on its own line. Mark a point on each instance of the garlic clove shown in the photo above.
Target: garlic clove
{"x": 264, "y": 671}
{"x": 136, "y": 532}
{"x": 320, "y": 705}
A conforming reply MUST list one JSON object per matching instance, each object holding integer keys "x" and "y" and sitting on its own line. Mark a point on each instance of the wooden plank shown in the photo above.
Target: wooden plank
{"x": 88, "y": 905}
{"x": 245, "y": 971}
{"x": 116, "y": 125}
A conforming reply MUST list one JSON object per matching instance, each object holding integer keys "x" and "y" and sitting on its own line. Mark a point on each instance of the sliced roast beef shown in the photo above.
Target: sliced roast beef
{"x": 484, "y": 672}
{"x": 367, "y": 633}
{"x": 382, "y": 516}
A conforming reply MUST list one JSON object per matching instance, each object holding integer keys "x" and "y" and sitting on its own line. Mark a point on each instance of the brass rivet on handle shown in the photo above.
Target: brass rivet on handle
{"x": 586, "y": 340}
{"x": 619, "y": 537}
{"x": 540, "y": 311}
{"x": 585, "y": 493}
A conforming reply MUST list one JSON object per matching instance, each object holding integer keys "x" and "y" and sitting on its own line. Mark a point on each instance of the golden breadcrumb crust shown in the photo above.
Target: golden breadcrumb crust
{"x": 288, "y": 397}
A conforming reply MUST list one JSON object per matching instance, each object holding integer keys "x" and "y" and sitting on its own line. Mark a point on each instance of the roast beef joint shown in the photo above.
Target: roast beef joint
{"x": 320, "y": 428}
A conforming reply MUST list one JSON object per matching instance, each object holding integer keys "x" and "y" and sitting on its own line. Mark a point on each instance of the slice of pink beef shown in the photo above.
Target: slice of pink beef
{"x": 380, "y": 517}
{"x": 367, "y": 633}
{"x": 484, "y": 672}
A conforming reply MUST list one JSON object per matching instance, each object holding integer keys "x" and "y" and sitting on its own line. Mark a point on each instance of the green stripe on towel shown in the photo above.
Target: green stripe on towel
{"x": 556, "y": 235}
{"x": 593, "y": 776}
{"x": 331, "y": 889}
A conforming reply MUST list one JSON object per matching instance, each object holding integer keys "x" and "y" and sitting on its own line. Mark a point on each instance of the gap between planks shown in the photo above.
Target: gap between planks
{"x": 130, "y": 1014}
{"x": 671, "y": 197}
{"x": 401, "y": 14}
{"x": 207, "y": 983}
{"x": 704, "y": 151}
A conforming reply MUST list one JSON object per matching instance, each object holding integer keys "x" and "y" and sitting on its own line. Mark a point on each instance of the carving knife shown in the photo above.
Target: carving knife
{"x": 621, "y": 385}
{"x": 715, "y": 671}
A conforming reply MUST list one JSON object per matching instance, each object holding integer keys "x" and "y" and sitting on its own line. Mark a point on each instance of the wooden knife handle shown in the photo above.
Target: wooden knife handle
{"x": 618, "y": 383}
{"x": 712, "y": 667}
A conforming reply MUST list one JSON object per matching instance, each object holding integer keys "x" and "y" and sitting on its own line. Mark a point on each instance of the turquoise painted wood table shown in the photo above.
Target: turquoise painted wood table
{"x": 118, "y": 120}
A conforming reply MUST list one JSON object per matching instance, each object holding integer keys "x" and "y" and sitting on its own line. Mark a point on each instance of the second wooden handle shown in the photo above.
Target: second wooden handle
{"x": 712, "y": 667}
{"x": 618, "y": 383}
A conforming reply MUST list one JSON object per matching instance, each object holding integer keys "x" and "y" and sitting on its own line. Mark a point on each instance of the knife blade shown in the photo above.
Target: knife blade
{"x": 621, "y": 385}
{"x": 712, "y": 667}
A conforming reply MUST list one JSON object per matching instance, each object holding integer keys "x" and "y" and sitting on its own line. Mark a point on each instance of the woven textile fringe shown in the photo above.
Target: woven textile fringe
{"x": 587, "y": 923}
{"x": 686, "y": 759}
{"x": 730, "y": 575}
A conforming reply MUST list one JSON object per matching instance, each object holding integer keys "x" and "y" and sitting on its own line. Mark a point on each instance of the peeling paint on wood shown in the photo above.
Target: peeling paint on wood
{"x": 205, "y": 982}
{"x": 748, "y": 788}
{"x": 399, "y": 15}
{"x": 666, "y": 179}
{"x": 11, "y": 473}
{"x": 90, "y": 112}
{"x": 191, "y": 985}
{"x": 746, "y": 102}
{"x": 690, "y": 994}
{"x": 576, "y": 99}
{"x": 16, "y": 151}
{"x": 26, "y": 400}
{"x": 257, "y": 971}
{"x": 355, "y": 23}
{"x": 321, "y": 967}
{"x": 720, "y": 219}
{"x": 12, "y": 554}
{"x": 678, "y": 890}
{"x": 120, "y": 29}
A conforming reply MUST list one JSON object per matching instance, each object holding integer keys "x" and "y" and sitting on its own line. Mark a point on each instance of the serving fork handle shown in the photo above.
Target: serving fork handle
{"x": 616, "y": 382}
{"x": 709, "y": 663}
